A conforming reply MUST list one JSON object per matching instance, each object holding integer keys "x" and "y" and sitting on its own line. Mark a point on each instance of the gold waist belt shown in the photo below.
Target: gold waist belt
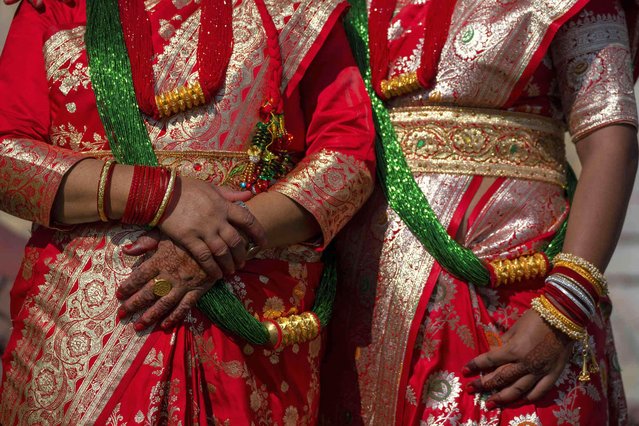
{"x": 476, "y": 141}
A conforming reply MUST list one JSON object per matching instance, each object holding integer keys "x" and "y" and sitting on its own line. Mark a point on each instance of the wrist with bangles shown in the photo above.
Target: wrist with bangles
{"x": 570, "y": 301}
{"x": 149, "y": 196}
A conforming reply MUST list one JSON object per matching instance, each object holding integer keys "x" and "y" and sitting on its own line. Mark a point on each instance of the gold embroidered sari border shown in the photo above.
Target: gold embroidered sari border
{"x": 479, "y": 141}
{"x": 188, "y": 154}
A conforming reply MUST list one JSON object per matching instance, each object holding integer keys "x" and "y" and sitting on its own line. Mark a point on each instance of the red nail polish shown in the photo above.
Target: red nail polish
{"x": 122, "y": 313}
{"x": 119, "y": 295}
{"x": 139, "y": 326}
{"x": 465, "y": 371}
{"x": 491, "y": 405}
{"x": 129, "y": 246}
{"x": 470, "y": 388}
{"x": 166, "y": 326}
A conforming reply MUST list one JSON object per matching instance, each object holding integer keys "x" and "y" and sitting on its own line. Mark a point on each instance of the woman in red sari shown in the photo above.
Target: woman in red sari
{"x": 476, "y": 99}
{"x": 205, "y": 75}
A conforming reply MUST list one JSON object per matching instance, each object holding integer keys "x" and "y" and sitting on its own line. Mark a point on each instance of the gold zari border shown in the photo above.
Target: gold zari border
{"x": 479, "y": 141}
{"x": 216, "y": 166}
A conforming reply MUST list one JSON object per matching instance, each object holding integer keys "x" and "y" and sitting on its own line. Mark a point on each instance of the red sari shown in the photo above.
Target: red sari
{"x": 403, "y": 328}
{"x": 69, "y": 359}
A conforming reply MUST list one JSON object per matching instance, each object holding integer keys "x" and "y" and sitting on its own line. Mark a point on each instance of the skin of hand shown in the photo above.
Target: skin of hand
{"x": 284, "y": 221}
{"x": 525, "y": 367}
{"x": 198, "y": 217}
{"x": 534, "y": 354}
{"x": 170, "y": 262}
{"x": 210, "y": 227}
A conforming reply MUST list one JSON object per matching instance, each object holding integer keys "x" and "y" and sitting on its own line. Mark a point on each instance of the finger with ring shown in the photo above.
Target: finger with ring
{"x": 161, "y": 287}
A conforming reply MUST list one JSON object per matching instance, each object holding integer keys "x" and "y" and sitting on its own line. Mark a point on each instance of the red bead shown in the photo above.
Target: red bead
{"x": 261, "y": 186}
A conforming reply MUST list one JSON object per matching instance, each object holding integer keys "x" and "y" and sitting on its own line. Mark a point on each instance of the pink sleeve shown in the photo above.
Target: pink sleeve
{"x": 591, "y": 54}
{"x": 31, "y": 169}
{"x": 336, "y": 176}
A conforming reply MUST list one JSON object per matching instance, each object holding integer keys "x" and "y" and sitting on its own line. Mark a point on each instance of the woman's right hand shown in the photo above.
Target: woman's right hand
{"x": 210, "y": 227}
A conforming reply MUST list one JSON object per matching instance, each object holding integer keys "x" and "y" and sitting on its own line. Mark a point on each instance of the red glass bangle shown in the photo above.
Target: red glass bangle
{"x": 562, "y": 302}
{"x": 587, "y": 285}
{"x": 149, "y": 188}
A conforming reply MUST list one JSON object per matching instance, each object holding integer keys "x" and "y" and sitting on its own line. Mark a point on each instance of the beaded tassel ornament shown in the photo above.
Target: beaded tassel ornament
{"x": 268, "y": 157}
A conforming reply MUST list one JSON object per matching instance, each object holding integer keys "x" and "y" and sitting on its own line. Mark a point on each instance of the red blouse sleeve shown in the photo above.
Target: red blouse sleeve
{"x": 591, "y": 54}
{"x": 31, "y": 169}
{"x": 336, "y": 176}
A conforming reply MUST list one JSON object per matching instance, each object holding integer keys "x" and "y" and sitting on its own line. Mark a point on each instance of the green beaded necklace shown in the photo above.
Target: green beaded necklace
{"x": 402, "y": 192}
{"x": 110, "y": 70}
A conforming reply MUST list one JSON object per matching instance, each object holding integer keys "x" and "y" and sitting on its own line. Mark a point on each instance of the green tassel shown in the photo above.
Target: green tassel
{"x": 225, "y": 310}
{"x": 110, "y": 71}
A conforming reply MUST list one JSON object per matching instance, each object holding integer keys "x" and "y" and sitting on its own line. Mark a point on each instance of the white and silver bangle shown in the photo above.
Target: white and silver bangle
{"x": 573, "y": 286}
{"x": 582, "y": 300}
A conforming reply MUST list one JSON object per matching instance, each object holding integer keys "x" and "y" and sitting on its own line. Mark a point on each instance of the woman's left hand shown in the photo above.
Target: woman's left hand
{"x": 169, "y": 262}
{"x": 525, "y": 367}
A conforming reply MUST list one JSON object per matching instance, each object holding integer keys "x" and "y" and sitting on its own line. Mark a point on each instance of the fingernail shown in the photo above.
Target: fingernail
{"x": 122, "y": 313}
{"x": 119, "y": 295}
{"x": 465, "y": 371}
{"x": 139, "y": 326}
{"x": 491, "y": 405}
{"x": 470, "y": 388}
{"x": 166, "y": 326}
{"x": 129, "y": 246}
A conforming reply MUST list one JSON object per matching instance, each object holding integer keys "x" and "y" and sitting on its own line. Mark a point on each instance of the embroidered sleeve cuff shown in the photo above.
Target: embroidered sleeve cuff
{"x": 593, "y": 60}
{"x": 30, "y": 175}
{"x": 609, "y": 96}
{"x": 331, "y": 186}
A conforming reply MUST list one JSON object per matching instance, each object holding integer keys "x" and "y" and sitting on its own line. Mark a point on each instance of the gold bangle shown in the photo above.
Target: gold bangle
{"x": 557, "y": 319}
{"x": 165, "y": 200}
{"x": 104, "y": 174}
{"x": 583, "y": 263}
{"x": 597, "y": 279}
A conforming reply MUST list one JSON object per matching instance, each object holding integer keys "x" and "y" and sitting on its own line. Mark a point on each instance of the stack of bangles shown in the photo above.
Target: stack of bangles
{"x": 570, "y": 300}
{"x": 150, "y": 194}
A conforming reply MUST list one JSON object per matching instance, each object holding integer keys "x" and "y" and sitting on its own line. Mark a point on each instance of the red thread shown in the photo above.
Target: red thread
{"x": 436, "y": 27}
{"x": 215, "y": 45}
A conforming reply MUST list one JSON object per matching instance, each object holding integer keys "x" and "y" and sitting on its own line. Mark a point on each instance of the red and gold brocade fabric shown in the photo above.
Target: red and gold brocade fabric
{"x": 562, "y": 59}
{"x": 403, "y": 329}
{"x": 69, "y": 359}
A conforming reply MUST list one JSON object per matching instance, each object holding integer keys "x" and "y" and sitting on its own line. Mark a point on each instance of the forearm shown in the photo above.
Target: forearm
{"x": 76, "y": 200}
{"x": 284, "y": 221}
{"x": 609, "y": 164}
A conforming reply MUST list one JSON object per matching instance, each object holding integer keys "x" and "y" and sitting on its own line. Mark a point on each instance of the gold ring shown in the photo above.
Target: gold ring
{"x": 161, "y": 287}
{"x": 252, "y": 250}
